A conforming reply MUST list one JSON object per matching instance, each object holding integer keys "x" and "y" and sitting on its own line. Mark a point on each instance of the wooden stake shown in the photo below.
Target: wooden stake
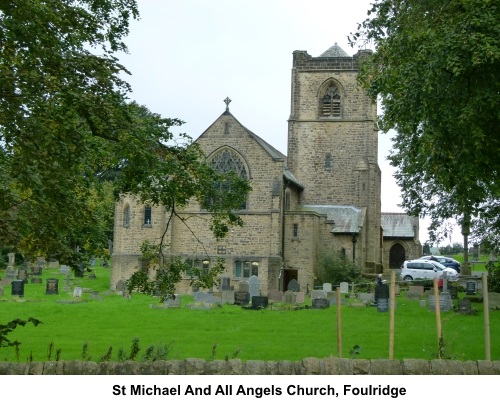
{"x": 392, "y": 303}
{"x": 486, "y": 307}
{"x": 339, "y": 323}
{"x": 438, "y": 316}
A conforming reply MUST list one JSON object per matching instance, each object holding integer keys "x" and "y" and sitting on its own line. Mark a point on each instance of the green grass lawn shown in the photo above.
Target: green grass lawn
{"x": 228, "y": 331}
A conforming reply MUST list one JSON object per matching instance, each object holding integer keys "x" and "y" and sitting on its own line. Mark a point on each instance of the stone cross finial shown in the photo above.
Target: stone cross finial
{"x": 227, "y": 100}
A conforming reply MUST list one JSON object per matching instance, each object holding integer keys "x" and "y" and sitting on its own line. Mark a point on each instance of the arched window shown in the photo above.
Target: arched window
{"x": 126, "y": 216}
{"x": 330, "y": 102}
{"x": 227, "y": 161}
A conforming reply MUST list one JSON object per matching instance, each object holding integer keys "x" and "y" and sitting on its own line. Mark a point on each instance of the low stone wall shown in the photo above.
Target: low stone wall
{"x": 308, "y": 366}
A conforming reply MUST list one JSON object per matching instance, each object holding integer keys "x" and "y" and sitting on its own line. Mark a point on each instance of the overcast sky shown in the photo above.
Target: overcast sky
{"x": 186, "y": 56}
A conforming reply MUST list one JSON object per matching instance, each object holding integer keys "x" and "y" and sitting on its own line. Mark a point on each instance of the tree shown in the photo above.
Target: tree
{"x": 436, "y": 70}
{"x": 69, "y": 136}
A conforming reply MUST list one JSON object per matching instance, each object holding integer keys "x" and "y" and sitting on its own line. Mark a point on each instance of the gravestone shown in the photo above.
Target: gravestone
{"x": 228, "y": 297}
{"x": 320, "y": 303}
{"x": 382, "y": 304}
{"x": 494, "y": 300}
{"x": 10, "y": 272}
{"x": 17, "y": 288}
{"x": 419, "y": 289}
{"x": 243, "y": 286}
{"x": 52, "y": 286}
{"x": 36, "y": 270}
{"x": 254, "y": 286}
{"x": 300, "y": 297}
{"x": 293, "y": 285}
{"x": 225, "y": 284}
{"x": 64, "y": 269}
{"x": 289, "y": 297}
{"x": 77, "y": 292}
{"x": 381, "y": 292}
{"x": 327, "y": 287}
{"x": 206, "y": 298}
{"x": 344, "y": 287}
{"x": 53, "y": 264}
{"x": 366, "y": 297}
{"x": 470, "y": 288}
{"x": 318, "y": 294}
{"x": 22, "y": 274}
{"x": 454, "y": 292}
{"x": 67, "y": 286}
{"x": 36, "y": 280}
{"x": 275, "y": 296}
{"x": 173, "y": 302}
{"x": 119, "y": 287}
{"x": 445, "y": 302}
{"x": 465, "y": 307}
{"x": 241, "y": 297}
{"x": 259, "y": 302}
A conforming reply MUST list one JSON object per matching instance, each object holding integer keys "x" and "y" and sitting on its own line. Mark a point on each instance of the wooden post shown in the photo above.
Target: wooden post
{"x": 438, "y": 316}
{"x": 339, "y": 323}
{"x": 392, "y": 303}
{"x": 486, "y": 306}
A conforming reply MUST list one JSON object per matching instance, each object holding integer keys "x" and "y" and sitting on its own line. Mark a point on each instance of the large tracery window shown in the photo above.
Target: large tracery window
{"x": 331, "y": 102}
{"x": 227, "y": 161}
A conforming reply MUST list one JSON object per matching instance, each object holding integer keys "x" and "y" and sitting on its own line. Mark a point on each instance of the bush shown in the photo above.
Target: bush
{"x": 336, "y": 268}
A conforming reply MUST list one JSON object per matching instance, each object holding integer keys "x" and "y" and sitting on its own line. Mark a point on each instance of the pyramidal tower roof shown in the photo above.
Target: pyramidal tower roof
{"x": 334, "y": 51}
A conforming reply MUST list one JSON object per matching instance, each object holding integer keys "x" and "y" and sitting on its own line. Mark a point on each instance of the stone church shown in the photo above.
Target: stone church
{"x": 322, "y": 198}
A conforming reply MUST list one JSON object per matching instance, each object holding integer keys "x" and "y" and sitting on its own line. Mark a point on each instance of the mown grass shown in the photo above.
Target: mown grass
{"x": 228, "y": 331}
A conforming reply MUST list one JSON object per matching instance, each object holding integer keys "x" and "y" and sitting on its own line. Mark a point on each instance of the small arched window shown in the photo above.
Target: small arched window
{"x": 330, "y": 103}
{"x": 328, "y": 162}
{"x": 126, "y": 216}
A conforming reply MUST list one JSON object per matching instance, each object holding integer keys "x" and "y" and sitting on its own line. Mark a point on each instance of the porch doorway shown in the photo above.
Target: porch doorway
{"x": 289, "y": 276}
{"x": 397, "y": 256}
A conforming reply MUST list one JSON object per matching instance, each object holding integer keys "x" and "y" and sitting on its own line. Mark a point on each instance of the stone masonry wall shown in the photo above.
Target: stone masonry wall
{"x": 308, "y": 366}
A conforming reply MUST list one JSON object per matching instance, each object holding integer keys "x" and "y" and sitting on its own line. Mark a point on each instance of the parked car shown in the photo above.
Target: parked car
{"x": 426, "y": 269}
{"x": 447, "y": 261}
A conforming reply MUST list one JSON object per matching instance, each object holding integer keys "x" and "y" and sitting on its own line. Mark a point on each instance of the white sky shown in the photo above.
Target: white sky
{"x": 187, "y": 56}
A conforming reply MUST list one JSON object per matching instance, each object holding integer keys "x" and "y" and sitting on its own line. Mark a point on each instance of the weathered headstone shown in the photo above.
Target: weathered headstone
{"x": 327, "y": 287}
{"x": 225, "y": 284}
{"x": 275, "y": 296}
{"x": 17, "y": 288}
{"x": 293, "y": 285}
{"x": 289, "y": 297}
{"x": 77, "y": 292}
{"x": 36, "y": 280}
{"x": 241, "y": 297}
{"x": 344, "y": 287}
{"x": 494, "y": 300}
{"x": 10, "y": 272}
{"x": 12, "y": 258}
{"x": 445, "y": 302}
{"x": 173, "y": 302}
{"x": 243, "y": 286}
{"x": 318, "y": 294}
{"x": 52, "y": 286}
{"x": 206, "y": 298}
{"x": 64, "y": 269}
{"x": 227, "y": 297}
{"x": 465, "y": 307}
{"x": 36, "y": 270}
{"x": 300, "y": 297}
{"x": 418, "y": 289}
{"x": 22, "y": 274}
{"x": 254, "y": 286}
{"x": 366, "y": 297}
{"x": 67, "y": 286}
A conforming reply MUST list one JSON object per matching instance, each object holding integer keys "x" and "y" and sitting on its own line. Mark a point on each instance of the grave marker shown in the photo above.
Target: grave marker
{"x": 254, "y": 286}
{"x": 327, "y": 287}
{"x": 293, "y": 285}
{"x": 320, "y": 303}
{"x": 17, "y": 288}
{"x": 241, "y": 297}
{"x": 52, "y": 286}
{"x": 289, "y": 297}
{"x": 77, "y": 292}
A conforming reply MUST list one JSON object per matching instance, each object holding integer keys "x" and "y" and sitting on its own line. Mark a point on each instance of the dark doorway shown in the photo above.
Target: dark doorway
{"x": 288, "y": 276}
{"x": 397, "y": 256}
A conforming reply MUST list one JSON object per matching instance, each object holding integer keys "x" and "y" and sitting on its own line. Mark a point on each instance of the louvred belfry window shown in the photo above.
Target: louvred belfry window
{"x": 331, "y": 103}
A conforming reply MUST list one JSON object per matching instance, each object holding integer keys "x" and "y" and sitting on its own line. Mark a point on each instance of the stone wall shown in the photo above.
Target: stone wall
{"x": 308, "y": 366}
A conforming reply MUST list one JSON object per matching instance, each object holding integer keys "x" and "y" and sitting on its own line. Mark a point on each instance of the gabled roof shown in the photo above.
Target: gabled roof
{"x": 345, "y": 218}
{"x": 398, "y": 225}
{"x": 288, "y": 175}
{"x": 334, "y": 51}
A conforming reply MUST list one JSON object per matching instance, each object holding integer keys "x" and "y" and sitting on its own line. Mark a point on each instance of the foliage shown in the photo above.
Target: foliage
{"x": 167, "y": 271}
{"x": 493, "y": 269}
{"x": 436, "y": 70}
{"x": 336, "y": 268}
{"x": 71, "y": 141}
{"x": 7, "y": 328}
{"x": 452, "y": 249}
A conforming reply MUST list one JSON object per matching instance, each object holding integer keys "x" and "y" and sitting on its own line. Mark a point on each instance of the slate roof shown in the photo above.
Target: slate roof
{"x": 345, "y": 218}
{"x": 334, "y": 51}
{"x": 398, "y": 225}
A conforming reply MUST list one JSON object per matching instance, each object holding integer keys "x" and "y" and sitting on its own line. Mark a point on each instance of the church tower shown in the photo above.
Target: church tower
{"x": 332, "y": 139}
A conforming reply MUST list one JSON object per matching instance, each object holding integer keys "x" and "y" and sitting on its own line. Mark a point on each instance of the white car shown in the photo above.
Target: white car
{"x": 426, "y": 269}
